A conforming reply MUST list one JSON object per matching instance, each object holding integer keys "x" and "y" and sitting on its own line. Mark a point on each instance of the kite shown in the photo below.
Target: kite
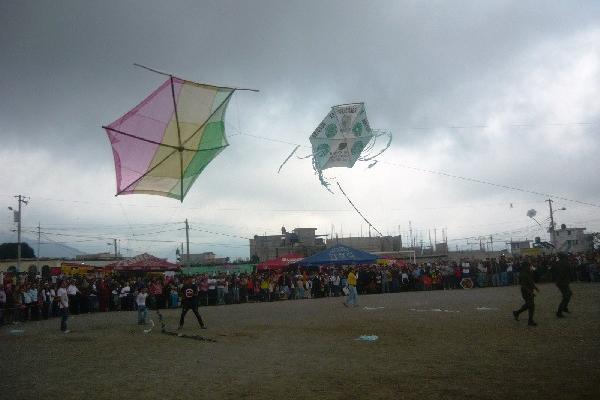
{"x": 343, "y": 138}
{"x": 163, "y": 144}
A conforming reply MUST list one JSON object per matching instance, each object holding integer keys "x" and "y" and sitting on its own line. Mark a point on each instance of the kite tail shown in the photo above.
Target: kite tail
{"x": 288, "y": 158}
{"x": 369, "y": 158}
{"x": 319, "y": 173}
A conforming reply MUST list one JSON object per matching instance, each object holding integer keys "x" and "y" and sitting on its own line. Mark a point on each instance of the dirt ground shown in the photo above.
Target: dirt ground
{"x": 432, "y": 345}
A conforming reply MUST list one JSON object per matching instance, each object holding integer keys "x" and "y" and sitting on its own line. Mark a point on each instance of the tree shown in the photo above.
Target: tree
{"x": 8, "y": 251}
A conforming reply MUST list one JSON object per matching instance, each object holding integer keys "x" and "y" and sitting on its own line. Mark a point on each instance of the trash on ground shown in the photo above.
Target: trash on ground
{"x": 152, "y": 327}
{"x": 368, "y": 338}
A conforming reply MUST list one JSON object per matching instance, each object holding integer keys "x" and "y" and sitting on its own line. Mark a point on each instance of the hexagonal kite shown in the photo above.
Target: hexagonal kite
{"x": 343, "y": 138}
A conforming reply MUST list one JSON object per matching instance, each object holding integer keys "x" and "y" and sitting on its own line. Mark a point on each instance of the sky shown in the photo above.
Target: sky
{"x": 503, "y": 92}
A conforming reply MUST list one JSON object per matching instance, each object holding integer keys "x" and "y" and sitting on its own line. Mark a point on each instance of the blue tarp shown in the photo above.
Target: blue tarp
{"x": 338, "y": 255}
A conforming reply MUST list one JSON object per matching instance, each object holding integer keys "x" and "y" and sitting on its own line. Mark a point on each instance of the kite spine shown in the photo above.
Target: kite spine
{"x": 180, "y": 149}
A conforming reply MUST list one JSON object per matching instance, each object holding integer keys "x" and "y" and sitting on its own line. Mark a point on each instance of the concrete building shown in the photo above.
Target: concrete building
{"x": 572, "y": 239}
{"x": 374, "y": 244}
{"x": 206, "y": 258}
{"x": 98, "y": 257}
{"x": 517, "y": 246}
{"x": 44, "y": 265}
{"x": 302, "y": 241}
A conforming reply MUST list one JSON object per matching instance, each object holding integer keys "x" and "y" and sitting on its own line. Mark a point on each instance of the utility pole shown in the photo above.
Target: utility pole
{"x": 115, "y": 245}
{"x": 434, "y": 239}
{"x": 38, "y": 249}
{"x": 17, "y": 219}
{"x": 410, "y": 233}
{"x": 551, "y": 229}
{"x": 491, "y": 243}
{"x": 187, "y": 239}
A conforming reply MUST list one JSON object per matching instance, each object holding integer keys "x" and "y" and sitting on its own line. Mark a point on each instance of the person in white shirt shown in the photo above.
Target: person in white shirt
{"x": 140, "y": 301}
{"x": 63, "y": 305}
{"x": 123, "y": 296}
{"x": 72, "y": 292}
{"x": 335, "y": 282}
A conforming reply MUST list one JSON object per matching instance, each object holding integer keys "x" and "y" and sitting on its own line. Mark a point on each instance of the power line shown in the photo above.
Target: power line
{"x": 454, "y": 176}
{"x": 430, "y": 171}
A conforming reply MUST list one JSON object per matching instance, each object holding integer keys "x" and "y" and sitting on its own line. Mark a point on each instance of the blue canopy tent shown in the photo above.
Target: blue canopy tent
{"x": 338, "y": 255}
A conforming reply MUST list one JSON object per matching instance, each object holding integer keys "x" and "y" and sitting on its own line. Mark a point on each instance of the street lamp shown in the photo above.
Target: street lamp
{"x": 17, "y": 219}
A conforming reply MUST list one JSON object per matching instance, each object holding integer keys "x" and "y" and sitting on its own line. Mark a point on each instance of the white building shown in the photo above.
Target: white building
{"x": 572, "y": 240}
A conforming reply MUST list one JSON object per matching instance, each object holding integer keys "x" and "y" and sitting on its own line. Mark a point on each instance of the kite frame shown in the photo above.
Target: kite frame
{"x": 181, "y": 148}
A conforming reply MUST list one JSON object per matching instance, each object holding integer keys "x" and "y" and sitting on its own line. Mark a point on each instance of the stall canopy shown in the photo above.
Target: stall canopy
{"x": 280, "y": 263}
{"x": 144, "y": 263}
{"x": 338, "y": 255}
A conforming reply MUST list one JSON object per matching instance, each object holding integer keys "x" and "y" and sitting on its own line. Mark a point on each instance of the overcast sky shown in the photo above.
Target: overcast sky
{"x": 499, "y": 91}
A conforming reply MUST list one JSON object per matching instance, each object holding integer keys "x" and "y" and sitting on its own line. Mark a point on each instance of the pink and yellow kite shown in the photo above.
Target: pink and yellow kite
{"x": 163, "y": 144}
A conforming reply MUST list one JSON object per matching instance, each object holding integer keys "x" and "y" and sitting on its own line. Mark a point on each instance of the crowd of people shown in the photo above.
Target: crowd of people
{"x": 26, "y": 298}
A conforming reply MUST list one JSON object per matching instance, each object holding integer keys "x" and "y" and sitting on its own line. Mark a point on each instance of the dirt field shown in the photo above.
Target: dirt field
{"x": 472, "y": 348}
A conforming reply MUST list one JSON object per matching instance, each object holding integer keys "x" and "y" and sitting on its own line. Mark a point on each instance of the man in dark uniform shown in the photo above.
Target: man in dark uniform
{"x": 562, "y": 277}
{"x": 189, "y": 301}
{"x": 527, "y": 288}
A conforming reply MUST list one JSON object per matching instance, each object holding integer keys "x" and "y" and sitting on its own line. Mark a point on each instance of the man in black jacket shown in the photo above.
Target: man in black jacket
{"x": 527, "y": 288}
{"x": 189, "y": 301}
{"x": 562, "y": 277}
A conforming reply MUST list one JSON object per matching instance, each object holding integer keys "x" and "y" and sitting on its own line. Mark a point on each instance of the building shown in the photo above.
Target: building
{"x": 374, "y": 244}
{"x": 572, "y": 240}
{"x": 517, "y": 246}
{"x": 31, "y": 265}
{"x": 302, "y": 241}
{"x": 44, "y": 266}
{"x": 207, "y": 258}
{"x": 98, "y": 256}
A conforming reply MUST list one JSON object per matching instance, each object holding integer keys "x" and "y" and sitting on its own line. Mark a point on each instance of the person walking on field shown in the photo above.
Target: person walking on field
{"x": 140, "y": 301}
{"x": 527, "y": 288}
{"x": 352, "y": 299}
{"x": 562, "y": 277}
{"x": 63, "y": 305}
{"x": 189, "y": 301}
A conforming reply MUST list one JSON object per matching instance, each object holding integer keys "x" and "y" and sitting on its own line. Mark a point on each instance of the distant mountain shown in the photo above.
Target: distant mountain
{"x": 47, "y": 249}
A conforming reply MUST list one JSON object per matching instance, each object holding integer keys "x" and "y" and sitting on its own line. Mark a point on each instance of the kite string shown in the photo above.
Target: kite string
{"x": 357, "y": 210}
{"x": 464, "y": 178}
